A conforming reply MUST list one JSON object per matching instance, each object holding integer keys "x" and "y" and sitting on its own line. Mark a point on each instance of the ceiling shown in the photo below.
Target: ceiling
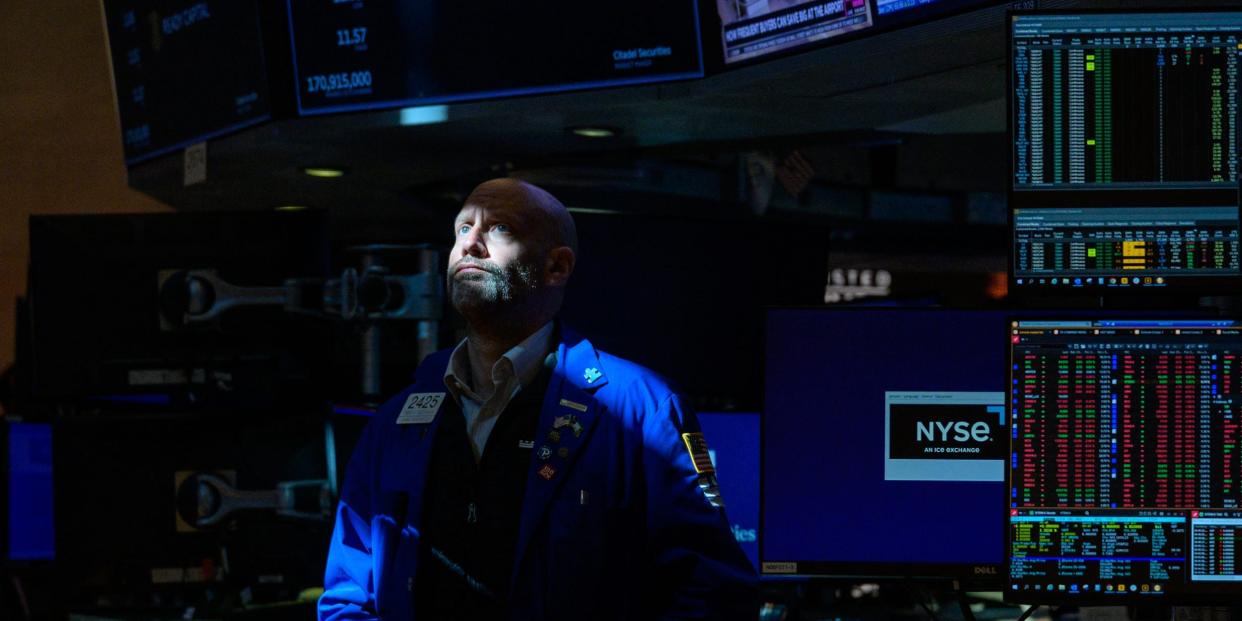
{"x": 922, "y": 87}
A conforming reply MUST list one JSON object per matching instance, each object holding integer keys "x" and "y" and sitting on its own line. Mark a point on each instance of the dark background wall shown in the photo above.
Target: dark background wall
{"x": 60, "y": 150}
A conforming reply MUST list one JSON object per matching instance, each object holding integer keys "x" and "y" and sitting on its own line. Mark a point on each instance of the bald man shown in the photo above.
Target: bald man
{"x": 525, "y": 474}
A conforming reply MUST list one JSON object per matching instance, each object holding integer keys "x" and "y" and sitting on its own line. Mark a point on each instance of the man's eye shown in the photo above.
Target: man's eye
{"x": 501, "y": 228}
{"x": 463, "y": 229}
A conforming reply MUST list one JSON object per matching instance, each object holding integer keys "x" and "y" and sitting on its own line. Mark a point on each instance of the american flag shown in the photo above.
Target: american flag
{"x": 696, "y": 444}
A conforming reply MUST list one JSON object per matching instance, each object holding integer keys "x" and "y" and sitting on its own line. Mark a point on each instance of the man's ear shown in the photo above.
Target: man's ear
{"x": 559, "y": 267}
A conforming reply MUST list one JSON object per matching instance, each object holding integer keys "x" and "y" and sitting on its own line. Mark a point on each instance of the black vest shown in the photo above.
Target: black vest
{"x": 472, "y": 512}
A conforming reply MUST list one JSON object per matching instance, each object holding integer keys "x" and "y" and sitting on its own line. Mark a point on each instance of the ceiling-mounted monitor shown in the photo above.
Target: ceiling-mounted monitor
{"x": 185, "y": 71}
{"x": 756, "y": 28}
{"x": 362, "y": 54}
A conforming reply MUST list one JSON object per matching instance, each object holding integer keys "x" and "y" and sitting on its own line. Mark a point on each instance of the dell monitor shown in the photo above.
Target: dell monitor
{"x": 883, "y": 443}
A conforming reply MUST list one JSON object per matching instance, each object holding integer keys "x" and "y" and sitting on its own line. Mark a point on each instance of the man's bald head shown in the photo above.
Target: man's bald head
{"x": 513, "y": 254}
{"x": 549, "y": 215}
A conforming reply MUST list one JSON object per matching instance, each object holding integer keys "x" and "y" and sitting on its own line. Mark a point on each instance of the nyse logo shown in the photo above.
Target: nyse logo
{"x": 962, "y": 431}
{"x": 945, "y": 431}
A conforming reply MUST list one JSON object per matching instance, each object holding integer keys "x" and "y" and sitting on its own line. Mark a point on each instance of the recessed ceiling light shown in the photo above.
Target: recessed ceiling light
{"x": 324, "y": 172}
{"x": 291, "y": 208}
{"x": 594, "y": 132}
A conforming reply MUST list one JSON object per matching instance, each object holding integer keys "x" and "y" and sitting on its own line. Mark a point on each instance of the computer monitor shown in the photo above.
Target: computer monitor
{"x": 26, "y": 463}
{"x": 1125, "y": 100}
{"x": 733, "y": 444}
{"x": 907, "y": 12}
{"x": 752, "y": 29}
{"x": 1123, "y": 464}
{"x": 1125, "y": 249}
{"x": 883, "y": 443}
{"x": 96, "y": 327}
{"x": 185, "y": 73}
{"x": 1124, "y": 130}
{"x": 369, "y": 55}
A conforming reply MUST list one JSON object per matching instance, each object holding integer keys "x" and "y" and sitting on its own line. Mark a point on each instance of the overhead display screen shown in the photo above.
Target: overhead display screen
{"x": 185, "y": 71}
{"x": 364, "y": 54}
{"x": 894, "y": 8}
{"x": 755, "y": 28}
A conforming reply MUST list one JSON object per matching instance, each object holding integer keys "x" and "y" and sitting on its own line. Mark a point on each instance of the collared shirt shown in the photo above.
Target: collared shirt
{"x": 518, "y": 367}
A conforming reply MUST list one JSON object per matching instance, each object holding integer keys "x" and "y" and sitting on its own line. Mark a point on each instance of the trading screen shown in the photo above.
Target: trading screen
{"x": 1124, "y": 459}
{"x": 1125, "y": 100}
{"x": 1125, "y": 150}
{"x": 1123, "y": 246}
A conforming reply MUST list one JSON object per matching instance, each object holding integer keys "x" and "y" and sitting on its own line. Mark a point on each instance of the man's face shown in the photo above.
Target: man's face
{"x": 495, "y": 258}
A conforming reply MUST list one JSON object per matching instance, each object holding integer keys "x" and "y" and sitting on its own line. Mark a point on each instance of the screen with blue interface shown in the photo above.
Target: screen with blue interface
{"x": 1124, "y": 461}
{"x": 733, "y": 444}
{"x": 908, "y": 12}
{"x": 875, "y": 417}
{"x": 28, "y": 449}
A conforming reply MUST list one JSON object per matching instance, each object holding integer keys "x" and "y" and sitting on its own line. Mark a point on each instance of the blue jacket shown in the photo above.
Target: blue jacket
{"x": 647, "y": 543}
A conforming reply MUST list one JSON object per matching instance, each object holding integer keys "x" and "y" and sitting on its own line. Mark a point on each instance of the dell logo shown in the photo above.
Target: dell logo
{"x": 985, "y": 570}
{"x": 962, "y": 431}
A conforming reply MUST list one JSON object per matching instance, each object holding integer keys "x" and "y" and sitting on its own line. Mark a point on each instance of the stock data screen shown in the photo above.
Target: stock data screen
{"x": 756, "y": 28}
{"x": 1124, "y": 462}
{"x": 1124, "y": 247}
{"x": 883, "y": 436}
{"x": 359, "y": 54}
{"x": 1125, "y": 100}
{"x": 185, "y": 71}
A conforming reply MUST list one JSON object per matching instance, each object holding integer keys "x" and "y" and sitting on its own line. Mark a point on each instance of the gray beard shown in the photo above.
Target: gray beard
{"x": 495, "y": 289}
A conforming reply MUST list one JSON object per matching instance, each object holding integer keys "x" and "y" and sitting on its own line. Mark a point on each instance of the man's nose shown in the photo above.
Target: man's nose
{"x": 473, "y": 244}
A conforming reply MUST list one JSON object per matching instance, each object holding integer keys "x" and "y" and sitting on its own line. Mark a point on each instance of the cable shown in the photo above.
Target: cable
{"x": 967, "y": 613}
{"x": 21, "y": 596}
{"x": 1026, "y": 614}
{"x": 922, "y": 604}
